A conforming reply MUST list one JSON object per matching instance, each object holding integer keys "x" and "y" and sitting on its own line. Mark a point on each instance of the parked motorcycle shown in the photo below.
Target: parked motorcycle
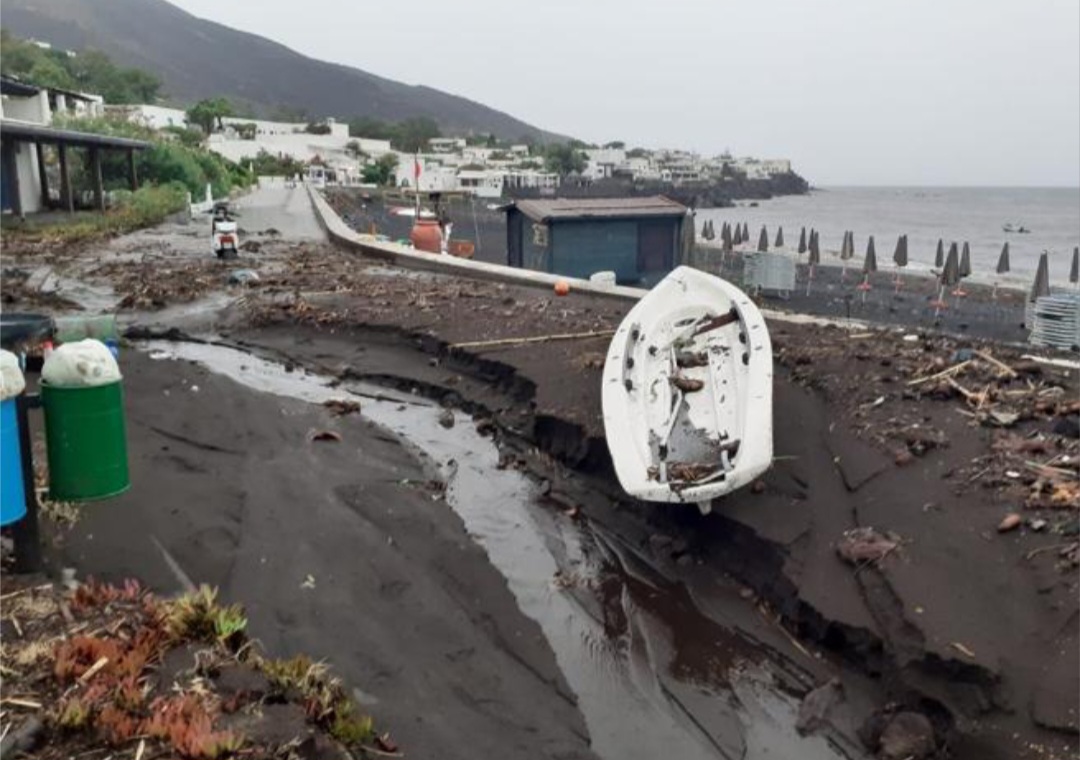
{"x": 224, "y": 235}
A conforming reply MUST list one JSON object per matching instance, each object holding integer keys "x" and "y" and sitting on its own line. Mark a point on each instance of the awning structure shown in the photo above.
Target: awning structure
{"x": 13, "y": 131}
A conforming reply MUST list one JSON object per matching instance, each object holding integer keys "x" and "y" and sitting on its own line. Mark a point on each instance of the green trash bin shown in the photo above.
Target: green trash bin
{"x": 85, "y": 441}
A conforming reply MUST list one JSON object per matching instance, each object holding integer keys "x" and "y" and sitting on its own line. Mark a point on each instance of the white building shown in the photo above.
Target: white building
{"x": 483, "y": 183}
{"x": 446, "y": 144}
{"x": 154, "y": 117}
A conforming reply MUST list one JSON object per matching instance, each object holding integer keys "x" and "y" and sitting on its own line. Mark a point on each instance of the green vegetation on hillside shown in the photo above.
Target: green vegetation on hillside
{"x": 89, "y": 71}
{"x": 409, "y": 136}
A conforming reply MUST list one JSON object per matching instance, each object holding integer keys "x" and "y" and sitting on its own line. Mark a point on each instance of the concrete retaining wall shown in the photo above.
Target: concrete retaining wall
{"x": 403, "y": 256}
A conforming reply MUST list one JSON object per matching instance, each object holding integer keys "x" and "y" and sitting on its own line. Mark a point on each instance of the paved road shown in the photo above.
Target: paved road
{"x": 287, "y": 210}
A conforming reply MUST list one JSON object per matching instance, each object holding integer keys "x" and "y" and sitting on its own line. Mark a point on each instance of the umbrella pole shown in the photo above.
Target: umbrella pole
{"x": 810, "y": 279}
{"x": 940, "y": 304}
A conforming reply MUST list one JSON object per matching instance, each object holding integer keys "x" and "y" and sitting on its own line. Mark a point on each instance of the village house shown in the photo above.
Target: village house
{"x": 27, "y": 135}
{"x": 639, "y": 239}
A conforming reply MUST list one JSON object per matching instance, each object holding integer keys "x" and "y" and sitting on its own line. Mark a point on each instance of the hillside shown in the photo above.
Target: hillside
{"x": 196, "y": 59}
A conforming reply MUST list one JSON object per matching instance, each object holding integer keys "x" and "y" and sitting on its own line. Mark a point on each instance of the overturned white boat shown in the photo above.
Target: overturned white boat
{"x": 687, "y": 391}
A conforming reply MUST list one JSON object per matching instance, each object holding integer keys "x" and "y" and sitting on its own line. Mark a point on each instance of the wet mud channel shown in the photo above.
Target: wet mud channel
{"x": 655, "y": 670}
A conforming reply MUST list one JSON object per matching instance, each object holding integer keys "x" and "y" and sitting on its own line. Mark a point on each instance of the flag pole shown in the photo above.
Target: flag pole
{"x": 416, "y": 182}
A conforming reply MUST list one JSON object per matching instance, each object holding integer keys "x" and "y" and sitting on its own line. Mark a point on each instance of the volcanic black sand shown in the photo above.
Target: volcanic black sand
{"x": 337, "y": 549}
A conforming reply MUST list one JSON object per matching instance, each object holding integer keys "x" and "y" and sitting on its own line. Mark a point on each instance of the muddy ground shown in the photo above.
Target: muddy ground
{"x": 974, "y": 629}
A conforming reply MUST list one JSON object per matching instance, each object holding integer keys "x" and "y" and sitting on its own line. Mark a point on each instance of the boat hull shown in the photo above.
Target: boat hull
{"x": 687, "y": 391}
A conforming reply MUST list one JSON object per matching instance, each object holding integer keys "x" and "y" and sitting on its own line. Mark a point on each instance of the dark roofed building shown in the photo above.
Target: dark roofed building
{"x": 639, "y": 239}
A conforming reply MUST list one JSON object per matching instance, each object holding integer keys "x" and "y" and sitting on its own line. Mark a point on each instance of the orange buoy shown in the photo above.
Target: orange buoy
{"x": 562, "y": 287}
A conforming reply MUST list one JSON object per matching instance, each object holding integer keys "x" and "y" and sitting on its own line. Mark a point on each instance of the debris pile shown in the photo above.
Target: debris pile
{"x": 152, "y": 285}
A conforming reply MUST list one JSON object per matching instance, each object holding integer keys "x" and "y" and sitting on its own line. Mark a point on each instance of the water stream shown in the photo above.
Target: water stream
{"x": 654, "y": 676}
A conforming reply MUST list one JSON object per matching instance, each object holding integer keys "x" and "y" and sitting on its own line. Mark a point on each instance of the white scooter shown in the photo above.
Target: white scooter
{"x": 224, "y": 236}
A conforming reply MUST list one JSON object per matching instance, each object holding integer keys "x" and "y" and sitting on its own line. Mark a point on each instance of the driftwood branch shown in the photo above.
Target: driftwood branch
{"x": 944, "y": 373}
{"x": 1005, "y": 368}
{"x": 534, "y": 339}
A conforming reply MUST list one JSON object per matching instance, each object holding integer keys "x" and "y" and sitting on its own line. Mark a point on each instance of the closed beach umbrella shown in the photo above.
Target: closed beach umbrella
{"x": 939, "y": 257}
{"x": 802, "y": 240}
{"x": 847, "y": 250}
{"x": 745, "y": 232}
{"x": 763, "y": 240}
{"x": 965, "y": 261}
{"x": 812, "y": 260}
{"x": 869, "y": 265}
{"x": 899, "y": 256}
{"x": 870, "y": 262}
{"x": 1003, "y": 260}
{"x": 779, "y": 237}
{"x": 1041, "y": 286}
{"x": 1074, "y": 270}
{"x": 950, "y": 275}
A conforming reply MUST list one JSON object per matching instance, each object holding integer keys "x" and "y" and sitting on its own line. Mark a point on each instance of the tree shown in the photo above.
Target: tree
{"x": 412, "y": 135}
{"x": 247, "y": 130}
{"x": 208, "y": 113}
{"x": 382, "y": 171}
{"x": 373, "y": 129}
{"x": 48, "y": 73}
{"x": 353, "y": 149}
{"x": 317, "y": 128}
{"x": 563, "y": 159}
{"x": 637, "y": 153}
{"x": 615, "y": 144}
{"x": 268, "y": 165}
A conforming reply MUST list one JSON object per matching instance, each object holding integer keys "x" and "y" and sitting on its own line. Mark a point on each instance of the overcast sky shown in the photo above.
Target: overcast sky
{"x": 953, "y": 92}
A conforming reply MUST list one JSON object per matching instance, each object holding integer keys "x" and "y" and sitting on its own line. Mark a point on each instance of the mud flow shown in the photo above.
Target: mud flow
{"x": 653, "y": 675}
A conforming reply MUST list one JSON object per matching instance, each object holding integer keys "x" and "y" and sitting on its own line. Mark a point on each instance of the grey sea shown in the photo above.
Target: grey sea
{"x": 925, "y": 214}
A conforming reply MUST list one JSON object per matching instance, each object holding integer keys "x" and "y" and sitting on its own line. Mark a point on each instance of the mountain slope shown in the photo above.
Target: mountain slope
{"x": 196, "y": 59}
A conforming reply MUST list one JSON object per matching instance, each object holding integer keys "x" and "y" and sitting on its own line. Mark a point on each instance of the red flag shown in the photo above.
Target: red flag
{"x": 416, "y": 167}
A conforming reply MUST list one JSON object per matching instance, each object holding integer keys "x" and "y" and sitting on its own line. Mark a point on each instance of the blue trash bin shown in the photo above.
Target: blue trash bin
{"x": 12, "y": 490}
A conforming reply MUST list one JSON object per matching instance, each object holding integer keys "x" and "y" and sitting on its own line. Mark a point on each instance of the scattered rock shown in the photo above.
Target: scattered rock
{"x": 1010, "y": 522}
{"x": 908, "y": 736}
{"x": 903, "y": 458}
{"x": 326, "y": 435}
{"x": 243, "y": 277}
{"x": 340, "y": 406}
{"x": 758, "y": 487}
{"x": 1037, "y": 524}
{"x": 1068, "y": 426}
{"x": 814, "y": 710}
{"x": 446, "y": 418}
{"x": 859, "y": 546}
{"x": 251, "y": 246}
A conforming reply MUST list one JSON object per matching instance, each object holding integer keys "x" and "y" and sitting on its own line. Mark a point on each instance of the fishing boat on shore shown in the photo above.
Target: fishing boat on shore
{"x": 687, "y": 392}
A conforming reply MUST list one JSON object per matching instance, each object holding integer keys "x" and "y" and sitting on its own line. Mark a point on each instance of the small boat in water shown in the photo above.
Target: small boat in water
{"x": 1019, "y": 228}
{"x": 687, "y": 392}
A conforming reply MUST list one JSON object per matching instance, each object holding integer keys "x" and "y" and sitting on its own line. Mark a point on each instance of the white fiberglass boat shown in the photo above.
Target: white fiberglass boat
{"x": 687, "y": 392}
